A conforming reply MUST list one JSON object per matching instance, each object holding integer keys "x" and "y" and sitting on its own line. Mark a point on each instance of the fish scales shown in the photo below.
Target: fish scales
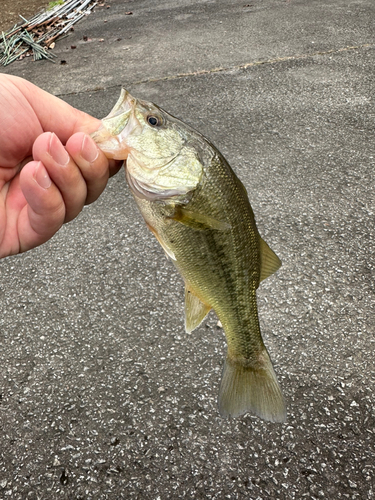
{"x": 200, "y": 213}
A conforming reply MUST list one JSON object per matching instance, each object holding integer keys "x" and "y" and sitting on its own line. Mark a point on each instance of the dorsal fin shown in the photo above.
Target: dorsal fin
{"x": 195, "y": 310}
{"x": 269, "y": 261}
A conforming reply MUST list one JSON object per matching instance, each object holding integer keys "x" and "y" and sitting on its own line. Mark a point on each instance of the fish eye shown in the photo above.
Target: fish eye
{"x": 154, "y": 121}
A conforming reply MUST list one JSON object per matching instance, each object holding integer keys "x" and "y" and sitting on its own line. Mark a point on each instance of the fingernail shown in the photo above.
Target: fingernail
{"x": 57, "y": 151}
{"x": 42, "y": 177}
{"x": 89, "y": 150}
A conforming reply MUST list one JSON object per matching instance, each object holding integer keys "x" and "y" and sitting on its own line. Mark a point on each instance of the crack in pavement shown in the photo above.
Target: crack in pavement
{"x": 230, "y": 68}
{"x": 254, "y": 63}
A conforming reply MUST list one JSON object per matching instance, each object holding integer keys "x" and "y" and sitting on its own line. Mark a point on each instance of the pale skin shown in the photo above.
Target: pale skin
{"x": 49, "y": 167}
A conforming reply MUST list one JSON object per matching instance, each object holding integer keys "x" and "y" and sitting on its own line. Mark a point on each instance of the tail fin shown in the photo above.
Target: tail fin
{"x": 251, "y": 388}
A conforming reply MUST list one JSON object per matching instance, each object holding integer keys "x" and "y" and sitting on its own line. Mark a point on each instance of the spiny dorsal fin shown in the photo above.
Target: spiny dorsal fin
{"x": 198, "y": 221}
{"x": 269, "y": 261}
{"x": 195, "y": 310}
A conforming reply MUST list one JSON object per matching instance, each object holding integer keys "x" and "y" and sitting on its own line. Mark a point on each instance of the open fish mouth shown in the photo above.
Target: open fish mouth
{"x": 117, "y": 126}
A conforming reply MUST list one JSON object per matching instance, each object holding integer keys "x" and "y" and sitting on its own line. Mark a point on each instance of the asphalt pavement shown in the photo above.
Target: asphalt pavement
{"x": 103, "y": 394}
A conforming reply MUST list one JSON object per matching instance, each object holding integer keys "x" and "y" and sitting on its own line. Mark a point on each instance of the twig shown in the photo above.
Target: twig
{"x": 37, "y": 34}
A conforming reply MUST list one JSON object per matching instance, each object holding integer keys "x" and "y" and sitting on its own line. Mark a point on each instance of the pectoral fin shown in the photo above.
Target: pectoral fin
{"x": 195, "y": 310}
{"x": 270, "y": 262}
{"x": 198, "y": 221}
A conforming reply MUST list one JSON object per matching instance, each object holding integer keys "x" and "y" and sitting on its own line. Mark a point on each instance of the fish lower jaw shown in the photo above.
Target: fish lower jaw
{"x": 118, "y": 149}
{"x": 110, "y": 145}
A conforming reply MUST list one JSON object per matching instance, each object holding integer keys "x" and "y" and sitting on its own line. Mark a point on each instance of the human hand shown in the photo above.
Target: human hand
{"x": 42, "y": 183}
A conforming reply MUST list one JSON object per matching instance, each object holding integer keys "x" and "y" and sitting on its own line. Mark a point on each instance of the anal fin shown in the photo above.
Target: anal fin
{"x": 195, "y": 310}
{"x": 269, "y": 261}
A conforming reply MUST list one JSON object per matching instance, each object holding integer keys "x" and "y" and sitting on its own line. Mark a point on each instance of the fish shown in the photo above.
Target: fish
{"x": 199, "y": 211}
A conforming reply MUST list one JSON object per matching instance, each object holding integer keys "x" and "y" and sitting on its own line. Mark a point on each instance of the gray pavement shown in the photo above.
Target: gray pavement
{"x": 103, "y": 394}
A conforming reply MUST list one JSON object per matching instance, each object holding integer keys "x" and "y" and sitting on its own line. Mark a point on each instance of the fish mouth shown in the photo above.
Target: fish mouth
{"x": 117, "y": 126}
{"x": 152, "y": 193}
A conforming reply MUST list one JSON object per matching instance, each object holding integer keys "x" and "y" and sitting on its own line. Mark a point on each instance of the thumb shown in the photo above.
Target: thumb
{"x": 54, "y": 114}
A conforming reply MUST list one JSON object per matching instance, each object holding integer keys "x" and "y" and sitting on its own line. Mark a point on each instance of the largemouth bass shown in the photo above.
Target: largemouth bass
{"x": 200, "y": 213}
